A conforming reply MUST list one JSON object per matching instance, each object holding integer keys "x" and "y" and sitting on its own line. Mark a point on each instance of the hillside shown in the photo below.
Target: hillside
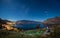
{"x": 55, "y": 20}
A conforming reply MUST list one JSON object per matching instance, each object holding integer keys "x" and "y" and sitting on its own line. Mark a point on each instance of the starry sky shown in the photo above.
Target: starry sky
{"x": 38, "y": 10}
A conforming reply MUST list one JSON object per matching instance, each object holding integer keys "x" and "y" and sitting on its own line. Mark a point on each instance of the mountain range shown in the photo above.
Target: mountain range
{"x": 29, "y": 24}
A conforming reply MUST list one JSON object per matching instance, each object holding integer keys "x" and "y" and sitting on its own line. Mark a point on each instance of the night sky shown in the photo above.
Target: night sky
{"x": 38, "y": 10}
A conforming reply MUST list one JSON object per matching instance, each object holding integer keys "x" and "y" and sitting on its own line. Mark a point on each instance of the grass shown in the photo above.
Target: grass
{"x": 25, "y": 34}
{"x": 33, "y": 33}
{"x": 57, "y": 32}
